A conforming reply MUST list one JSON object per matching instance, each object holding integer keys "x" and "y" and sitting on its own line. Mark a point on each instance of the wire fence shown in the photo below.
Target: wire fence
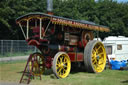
{"x": 15, "y": 48}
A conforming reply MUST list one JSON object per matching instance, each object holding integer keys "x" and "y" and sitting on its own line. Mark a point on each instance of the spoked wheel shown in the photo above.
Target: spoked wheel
{"x": 94, "y": 56}
{"x": 86, "y": 36}
{"x": 61, "y": 65}
{"x": 36, "y": 64}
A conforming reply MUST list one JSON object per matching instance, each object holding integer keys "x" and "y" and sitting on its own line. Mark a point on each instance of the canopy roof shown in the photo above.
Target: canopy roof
{"x": 83, "y": 24}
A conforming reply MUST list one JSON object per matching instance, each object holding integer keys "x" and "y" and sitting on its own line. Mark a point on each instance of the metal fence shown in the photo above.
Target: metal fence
{"x": 15, "y": 48}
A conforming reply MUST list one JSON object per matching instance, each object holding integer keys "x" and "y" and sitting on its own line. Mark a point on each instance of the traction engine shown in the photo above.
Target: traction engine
{"x": 62, "y": 43}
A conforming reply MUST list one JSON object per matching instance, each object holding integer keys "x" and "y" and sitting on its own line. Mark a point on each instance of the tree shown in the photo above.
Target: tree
{"x": 104, "y": 12}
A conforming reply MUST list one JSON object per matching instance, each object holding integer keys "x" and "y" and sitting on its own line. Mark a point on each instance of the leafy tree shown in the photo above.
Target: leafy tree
{"x": 104, "y": 12}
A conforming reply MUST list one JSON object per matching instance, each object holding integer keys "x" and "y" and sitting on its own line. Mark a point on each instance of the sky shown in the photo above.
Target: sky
{"x": 122, "y": 0}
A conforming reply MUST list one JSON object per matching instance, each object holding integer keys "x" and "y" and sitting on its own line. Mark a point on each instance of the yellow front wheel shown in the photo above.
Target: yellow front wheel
{"x": 36, "y": 64}
{"x": 94, "y": 56}
{"x": 61, "y": 65}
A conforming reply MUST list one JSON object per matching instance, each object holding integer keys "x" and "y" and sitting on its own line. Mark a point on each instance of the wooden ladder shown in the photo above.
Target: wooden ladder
{"x": 108, "y": 62}
{"x": 27, "y": 72}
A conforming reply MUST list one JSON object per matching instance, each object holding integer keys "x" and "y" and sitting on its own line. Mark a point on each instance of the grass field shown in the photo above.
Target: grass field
{"x": 12, "y": 71}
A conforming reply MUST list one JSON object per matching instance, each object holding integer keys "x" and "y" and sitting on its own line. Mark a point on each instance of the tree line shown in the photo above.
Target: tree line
{"x": 104, "y": 12}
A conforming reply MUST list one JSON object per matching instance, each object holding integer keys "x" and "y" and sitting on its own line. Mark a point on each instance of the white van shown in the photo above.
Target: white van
{"x": 116, "y": 47}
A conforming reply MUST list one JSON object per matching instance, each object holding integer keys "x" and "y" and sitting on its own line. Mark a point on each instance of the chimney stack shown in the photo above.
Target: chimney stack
{"x": 49, "y": 7}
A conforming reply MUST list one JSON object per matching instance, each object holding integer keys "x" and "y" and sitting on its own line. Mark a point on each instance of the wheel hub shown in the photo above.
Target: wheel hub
{"x": 61, "y": 65}
{"x": 97, "y": 57}
{"x": 35, "y": 64}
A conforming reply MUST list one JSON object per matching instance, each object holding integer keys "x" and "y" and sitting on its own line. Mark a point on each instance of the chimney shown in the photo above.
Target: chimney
{"x": 49, "y": 7}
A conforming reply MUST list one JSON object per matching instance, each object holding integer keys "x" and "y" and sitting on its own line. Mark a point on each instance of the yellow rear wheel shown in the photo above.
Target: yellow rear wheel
{"x": 94, "y": 56}
{"x": 61, "y": 65}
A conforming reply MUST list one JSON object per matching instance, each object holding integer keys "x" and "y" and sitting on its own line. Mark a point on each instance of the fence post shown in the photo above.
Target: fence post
{"x": 11, "y": 48}
{"x": 1, "y": 47}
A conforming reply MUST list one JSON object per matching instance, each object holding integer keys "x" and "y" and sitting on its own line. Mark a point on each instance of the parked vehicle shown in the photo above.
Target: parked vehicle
{"x": 116, "y": 47}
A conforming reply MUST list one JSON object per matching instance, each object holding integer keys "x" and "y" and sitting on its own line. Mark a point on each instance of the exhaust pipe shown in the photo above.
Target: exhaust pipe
{"x": 49, "y": 7}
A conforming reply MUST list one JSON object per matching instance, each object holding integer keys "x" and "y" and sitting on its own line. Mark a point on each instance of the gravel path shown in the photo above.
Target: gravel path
{"x": 14, "y": 58}
{"x": 12, "y": 83}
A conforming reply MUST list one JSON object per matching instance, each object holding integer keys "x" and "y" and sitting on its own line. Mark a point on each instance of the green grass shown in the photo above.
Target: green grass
{"x": 12, "y": 71}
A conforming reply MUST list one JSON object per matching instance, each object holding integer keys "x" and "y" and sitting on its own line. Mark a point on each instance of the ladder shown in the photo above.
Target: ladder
{"x": 28, "y": 72}
{"x": 108, "y": 63}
